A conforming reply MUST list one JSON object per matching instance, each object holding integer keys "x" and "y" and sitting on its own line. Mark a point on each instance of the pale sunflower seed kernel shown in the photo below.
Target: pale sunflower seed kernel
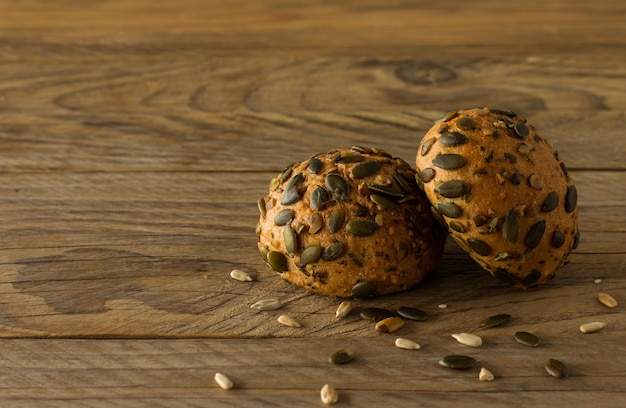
{"x": 607, "y": 300}
{"x": 344, "y": 309}
{"x": 329, "y": 395}
{"x": 485, "y": 375}
{"x": 288, "y": 321}
{"x": 407, "y": 344}
{"x": 267, "y": 304}
{"x": 243, "y": 276}
{"x": 468, "y": 339}
{"x": 592, "y": 327}
{"x": 224, "y": 382}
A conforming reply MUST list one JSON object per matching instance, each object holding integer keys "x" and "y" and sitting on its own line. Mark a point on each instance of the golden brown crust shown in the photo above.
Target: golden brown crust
{"x": 360, "y": 225}
{"x": 503, "y": 192}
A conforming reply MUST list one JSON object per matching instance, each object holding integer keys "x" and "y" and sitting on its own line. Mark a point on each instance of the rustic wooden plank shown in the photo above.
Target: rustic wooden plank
{"x": 180, "y": 372}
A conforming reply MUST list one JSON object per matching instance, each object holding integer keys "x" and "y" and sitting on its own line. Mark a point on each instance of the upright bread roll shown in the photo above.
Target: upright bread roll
{"x": 502, "y": 191}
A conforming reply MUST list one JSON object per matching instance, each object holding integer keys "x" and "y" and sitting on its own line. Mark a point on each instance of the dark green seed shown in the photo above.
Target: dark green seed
{"x": 571, "y": 197}
{"x": 551, "y": 202}
{"x": 361, "y": 228}
{"x": 419, "y": 223}
{"x": 556, "y": 368}
{"x": 375, "y": 314}
{"x": 283, "y": 217}
{"x": 406, "y": 185}
{"x": 290, "y": 196}
{"x": 504, "y": 276}
{"x": 337, "y": 185}
{"x": 465, "y": 123}
{"x": 527, "y": 339}
{"x": 277, "y": 261}
{"x": 366, "y": 169}
{"x": 480, "y": 247}
{"x": 388, "y": 191}
{"x": 384, "y": 202}
{"x": 316, "y": 222}
{"x": 427, "y": 145}
{"x": 531, "y": 278}
{"x": 286, "y": 173}
{"x": 315, "y": 165}
{"x": 333, "y": 251}
{"x": 449, "y": 161}
{"x": 576, "y": 240}
{"x": 341, "y": 357}
{"x": 310, "y": 255}
{"x": 535, "y": 233}
{"x": 427, "y": 174}
{"x": 521, "y": 130}
{"x": 335, "y": 220}
{"x": 453, "y": 188}
{"x": 452, "y": 139}
{"x": 450, "y": 210}
{"x": 319, "y": 197}
{"x": 412, "y": 313}
{"x": 363, "y": 289}
{"x": 297, "y": 180}
{"x": 558, "y": 239}
{"x": 504, "y": 112}
{"x": 457, "y": 226}
{"x": 361, "y": 149}
{"x": 438, "y": 217}
{"x": 448, "y": 116}
{"x": 349, "y": 158}
{"x": 458, "y": 362}
{"x": 291, "y": 240}
{"x": 262, "y": 208}
{"x": 510, "y": 157}
{"x": 510, "y": 227}
{"x": 496, "y": 320}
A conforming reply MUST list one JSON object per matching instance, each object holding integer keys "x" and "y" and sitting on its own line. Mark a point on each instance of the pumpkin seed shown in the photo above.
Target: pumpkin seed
{"x": 277, "y": 261}
{"x": 296, "y": 181}
{"x": 556, "y": 368}
{"x": 592, "y": 327}
{"x": 316, "y": 222}
{"x": 418, "y": 222}
{"x": 335, "y": 220}
{"x": 495, "y": 320}
{"x": 427, "y": 145}
{"x": 510, "y": 157}
{"x": 452, "y": 139}
{"x": 267, "y": 304}
{"x": 521, "y": 130}
{"x": 449, "y": 161}
{"x": 406, "y": 344}
{"x": 607, "y": 300}
{"x": 389, "y": 325}
{"x": 437, "y": 216}
{"x": 457, "y": 226}
{"x": 480, "y": 247}
{"x": 332, "y": 251}
{"x": 527, "y": 339}
{"x": 286, "y": 173}
{"x": 262, "y": 208}
{"x": 224, "y": 382}
{"x": 458, "y": 362}
{"x": 531, "y": 278}
{"x": 468, "y": 339}
{"x": 576, "y": 240}
{"x": 319, "y": 197}
{"x": 427, "y": 175}
{"x": 504, "y": 276}
{"x": 240, "y": 275}
{"x": 363, "y": 289}
{"x": 343, "y": 309}
{"x": 465, "y": 123}
{"x": 551, "y": 202}
{"x": 571, "y": 197}
{"x": 310, "y": 255}
{"x": 485, "y": 375}
{"x": 349, "y": 158}
{"x": 558, "y": 239}
{"x": 337, "y": 185}
{"x": 535, "y": 233}
{"x": 288, "y": 321}
{"x": 291, "y": 240}
{"x": 504, "y": 112}
{"x": 403, "y": 182}
{"x": 448, "y": 209}
{"x": 329, "y": 395}
{"x": 341, "y": 356}
{"x": 361, "y": 228}
{"x": 315, "y": 165}
{"x": 283, "y": 217}
{"x": 510, "y": 227}
{"x": 524, "y": 149}
{"x": 384, "y": 202}
{"x": 412, "y": 313}
{"x": 535, "y": 182}
{"x": 366, "y": 169}
{"x": 290, "y": 196}
{"x": 386, "y": 191}
{"x": 361, "y": 149}
{"x": 453, "y": 188}
{"x": 375, "y": 314}
{"x": 448, "y": 116}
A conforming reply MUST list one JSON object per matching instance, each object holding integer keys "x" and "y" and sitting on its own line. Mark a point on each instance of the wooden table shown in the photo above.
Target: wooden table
{"x": 136, "y": 137}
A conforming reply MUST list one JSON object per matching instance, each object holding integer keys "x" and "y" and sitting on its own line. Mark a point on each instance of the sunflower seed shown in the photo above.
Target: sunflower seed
{"x": 458, "y": 362}
{"x": 571, "y": 197}
{"x": 277, "y": 261}
{"x": 332, "y": 251}
{"x": 384, "y": 202}
{"x": 335, "y": 220}
{"x": 310, "y": 255}
{"x": 283, "y": 217}
{"x": 288, "y": 321}
{"x": 485, "y": 375}
{"x": 465, "y": 123}
{"x": 224, "y": 382}
{"x": 315, "y": 165}
{"x": 262, "y": 208}
{"x": 319, "y": 197}
{"x": 267, "y": 304}
{"x": 291, "y": 240}
{"x": 375, "y": 314}
{"x": 341, "y": 356}
{"x": 480, "y": 247}
{"x": 535, "y": 233}
{"x": 502, "y": 256}
{"x": 510, "y": 227}
{"x": 329, "y": 395}
{"x": 452, "y": 139}
{"x": 495, "y": 320}
{"x": 361, "y": 228}
{"x": 558, "y": 239}
{"x": 344, "y": 309}
{"x": 535, "y": 182}
{"x": 442, "y": 306}
{"x": 592, "y": 327}
{"x": 427, "y": 145}
{"x": 449, "y": 161}
{"x": 337, "y": 185}
{"x": 607, "y": 300}
{"x": 556, "y": 368}
{"x": 452, "y": 188}
{"x": 316, "y": 222}
{"x": 242, "y": 276}
{"x": 527, "y": 339}
{"x": 363, "y": 289}
{"x": 412, "y": 313}
{"x": 389, "y": 325}
{"x": 450, "y": 210}
{"x": 406, "y": 344}
{"x": 468, "y": 339}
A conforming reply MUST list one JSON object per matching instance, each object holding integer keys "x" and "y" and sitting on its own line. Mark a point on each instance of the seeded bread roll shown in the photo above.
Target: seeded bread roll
{"x": 349, "y": 223}
{"x": 503, "y": 192}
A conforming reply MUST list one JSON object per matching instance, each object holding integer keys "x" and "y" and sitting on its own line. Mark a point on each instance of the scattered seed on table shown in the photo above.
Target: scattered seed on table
{"x": 288, "y": 321}
{"x": 597, "y": 281}
{"x": 556, "y": 368}
{"x": 376, "y": 314}
{"x": 389, "y": 325}
{"x": 468, "y": 339}
{"x": 485, "y": 375}
{"x": 267, "y": 304}
{"x": 341, "y": 356}
{"x": 592, "y": 327}
{"x": 527, "y": 339}
{"x": 407, "y": 344}
{"x": 458, "y": 362}
{"x": 344, "y": 309}
{"x": 224, "y": 382}
{"x": 329, "y": 395}
{"x": 495, "y": 320}
{"x": 607, "y": 300}
{"x": 442, "y": 306}
{"x": 240, "y": 275}
{"x": 412, "y": 313}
